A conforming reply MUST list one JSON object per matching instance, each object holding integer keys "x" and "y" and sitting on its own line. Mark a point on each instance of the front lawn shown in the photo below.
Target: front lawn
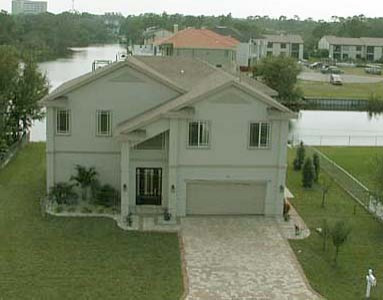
{"x": 359, "y": 161}
{"x": 364, "y": 248}
{"x": 347, "y": 90}
{"x": 75, "y": 258}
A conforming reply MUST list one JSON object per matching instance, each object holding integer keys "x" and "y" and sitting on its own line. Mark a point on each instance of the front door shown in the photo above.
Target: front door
{"x": 148, "y": 186}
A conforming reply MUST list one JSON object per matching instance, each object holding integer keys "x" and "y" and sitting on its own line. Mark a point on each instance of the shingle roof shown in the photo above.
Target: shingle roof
{"x": 282, "y": 38}
{"x": 363, "y": 41}
{"x": 200, "y": 38}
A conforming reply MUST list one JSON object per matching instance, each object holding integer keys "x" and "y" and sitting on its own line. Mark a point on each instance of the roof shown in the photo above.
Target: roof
{"x": 362, "y": 41}
{"x": 283, "y": 38}
{"x": 200, "y": 38}
{"x": 230, "y": 31}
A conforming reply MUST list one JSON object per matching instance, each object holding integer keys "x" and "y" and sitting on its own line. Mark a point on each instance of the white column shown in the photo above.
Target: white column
{"x": 125, "y": 149}
{"x": 173, "y": 161}
{"x": 50, "y": 147}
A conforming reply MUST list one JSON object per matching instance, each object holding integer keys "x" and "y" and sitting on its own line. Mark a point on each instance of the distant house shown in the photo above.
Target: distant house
{"x": 205, "y": 44}
{"x": 154, "y": 34}
{"x": 28, "y": 7}
{"x": 172, "y": 133}
{"x": 344, "y": 48}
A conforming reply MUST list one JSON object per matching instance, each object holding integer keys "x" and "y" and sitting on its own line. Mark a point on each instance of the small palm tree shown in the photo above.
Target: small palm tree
{"x": 85, "y": 178}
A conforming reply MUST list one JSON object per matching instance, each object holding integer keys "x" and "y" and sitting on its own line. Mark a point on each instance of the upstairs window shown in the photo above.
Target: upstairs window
{"x": 283, "y": 46}
{"x": 269, "y": 45}
{"x": 104, "y": 126}
{"x": 259, "y": 135}
{"x": 63, "y": 121}
{"x": 199, "y": 134}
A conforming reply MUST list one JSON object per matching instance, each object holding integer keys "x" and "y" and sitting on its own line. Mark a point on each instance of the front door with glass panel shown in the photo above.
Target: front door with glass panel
{"x": 148, "y": 186}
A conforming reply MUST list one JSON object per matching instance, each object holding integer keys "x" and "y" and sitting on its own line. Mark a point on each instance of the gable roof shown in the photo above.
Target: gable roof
{"x": 200, "y": 39}
{"x": 230, "y": 31}
{"x": 283, "y": 38}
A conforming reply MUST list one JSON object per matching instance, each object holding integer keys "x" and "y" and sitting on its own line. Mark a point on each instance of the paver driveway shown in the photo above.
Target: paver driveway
{"x": 240, "y": 258}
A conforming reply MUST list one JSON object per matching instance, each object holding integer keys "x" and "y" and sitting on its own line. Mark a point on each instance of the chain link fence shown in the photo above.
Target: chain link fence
{"x": 357, "y": 190}
{"x": 6, "y": 156}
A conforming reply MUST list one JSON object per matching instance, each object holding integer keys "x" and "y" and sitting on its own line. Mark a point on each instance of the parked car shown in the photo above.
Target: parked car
{"x": 375, "y": 70}
{"x": 331, "y": 70}
{"x": 335, "y": 79}
{"x": 316, "y": 65}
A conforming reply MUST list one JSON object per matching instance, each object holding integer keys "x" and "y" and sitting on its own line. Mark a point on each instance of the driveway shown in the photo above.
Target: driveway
{"x": 240, "y": 258}
{"x": 347, "y": 78}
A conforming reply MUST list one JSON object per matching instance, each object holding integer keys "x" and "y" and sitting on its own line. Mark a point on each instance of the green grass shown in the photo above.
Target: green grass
{"x": 364, "y": 248}
{"x": 358, "y": 71}
{"x": 358, "y": 161}
{"x": 73, "y": 258}
{"x": 347, "y": 90}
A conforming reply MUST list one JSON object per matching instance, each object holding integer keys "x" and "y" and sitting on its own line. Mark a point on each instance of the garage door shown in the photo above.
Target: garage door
{"x": 225, "y": 198}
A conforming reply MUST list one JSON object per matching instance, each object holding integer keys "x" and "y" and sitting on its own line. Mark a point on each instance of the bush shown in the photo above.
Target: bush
{"x": 107, "y": 196}
{"x": 62, "y": 193}
{"x": 300, "y": 158}
{"x": 308, "y": 173}
{"x": 86, "y": 210}
{"x": 316, "y": 162}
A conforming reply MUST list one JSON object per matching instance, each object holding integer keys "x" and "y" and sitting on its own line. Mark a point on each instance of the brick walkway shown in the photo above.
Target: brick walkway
{"x": 240, "y": 258}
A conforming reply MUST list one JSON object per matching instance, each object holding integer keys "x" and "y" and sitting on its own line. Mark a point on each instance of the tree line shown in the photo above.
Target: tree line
{"x": 48, "y": 36}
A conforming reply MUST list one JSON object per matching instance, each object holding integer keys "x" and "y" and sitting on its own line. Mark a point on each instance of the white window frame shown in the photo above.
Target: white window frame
{"x": 58, "y": 131}
{"x": 199, "y": 144}
{"x": 268, "y": 140}
{"x": 99, "y": 133}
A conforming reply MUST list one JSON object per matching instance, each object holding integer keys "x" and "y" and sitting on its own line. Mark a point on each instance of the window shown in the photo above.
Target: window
{"x": 259, "y": 135}
{"x": 269, "y": 45}
{"x": 358, "y": 48}
{"x": 283, "y": 46}
{"x": 63, "y": 121}
{"x": 103, "y": 123}
{"x": 199, "y": 134}
{"x": 148, "y": 186}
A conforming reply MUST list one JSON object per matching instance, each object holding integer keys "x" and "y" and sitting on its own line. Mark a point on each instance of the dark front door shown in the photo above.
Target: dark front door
{"x": 148, "y": 186}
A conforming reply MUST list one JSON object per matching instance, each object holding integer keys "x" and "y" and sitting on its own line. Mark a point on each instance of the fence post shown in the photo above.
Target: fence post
{"x": 349, "y": 140}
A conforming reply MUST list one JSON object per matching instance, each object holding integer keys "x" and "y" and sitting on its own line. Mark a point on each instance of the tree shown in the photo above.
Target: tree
{"x": 308, "y": 173}
{"x": 339, "y": 235}
{"x": 325, "y": 186}
{"x": 316, "y": 162}
{"x": 325, "y": 234}
{"x": 280, "y": 73}
{"x": 84, "y": 178}
{"x": 300, "y": 157}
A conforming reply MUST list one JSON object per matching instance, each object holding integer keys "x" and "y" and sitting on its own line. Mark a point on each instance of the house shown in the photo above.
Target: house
{"x": 277, "y": 45}
{"x": 344, "y": 48}
{"x": 172, "y": 133}
{"x": 204, "y": 44}
{"x": 153, "y": 34}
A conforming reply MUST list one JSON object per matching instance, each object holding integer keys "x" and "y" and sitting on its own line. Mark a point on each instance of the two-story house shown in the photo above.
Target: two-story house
{"x": 172, "y": 132}
{"x": 344, "y": 48}
{"x": 204, "y": 44}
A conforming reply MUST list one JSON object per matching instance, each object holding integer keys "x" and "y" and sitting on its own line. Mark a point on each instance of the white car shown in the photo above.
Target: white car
{"x": 335, "y": 79}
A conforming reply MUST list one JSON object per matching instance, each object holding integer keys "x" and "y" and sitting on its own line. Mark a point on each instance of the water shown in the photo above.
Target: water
{"x": 313, "y": 127}
{"x": 64, "y": 69}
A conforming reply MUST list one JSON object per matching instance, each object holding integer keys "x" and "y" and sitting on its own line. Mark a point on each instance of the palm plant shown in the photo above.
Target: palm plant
{"x": 84, "y": 179}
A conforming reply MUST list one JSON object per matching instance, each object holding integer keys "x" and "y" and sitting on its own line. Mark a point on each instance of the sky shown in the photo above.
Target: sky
{"x": 317, "y": 9}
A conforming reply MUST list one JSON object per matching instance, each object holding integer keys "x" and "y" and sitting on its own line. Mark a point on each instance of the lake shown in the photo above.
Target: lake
{"x": 313, "y": 127}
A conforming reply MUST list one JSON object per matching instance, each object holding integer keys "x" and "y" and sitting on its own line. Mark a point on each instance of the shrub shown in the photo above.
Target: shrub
{"x": 62, "y": 193}
{"x": 300, "y": 158}
{"x": 308, "y": 173}
{"x": 86, "y": 210}
{"x": 107, "y": 196}
{"x": 84, "y": 178}
{"x": 59, "y": 209}
{"x": 316, "y": 162}
{"x": 339, "y": 234}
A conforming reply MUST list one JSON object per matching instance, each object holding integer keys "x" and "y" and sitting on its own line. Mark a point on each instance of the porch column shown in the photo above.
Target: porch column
{"x": 173, "y": 161}
{"x": 125, "y": 149}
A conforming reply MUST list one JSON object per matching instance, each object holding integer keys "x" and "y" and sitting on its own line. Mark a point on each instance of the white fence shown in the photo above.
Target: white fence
{"x": 337, "y": 140}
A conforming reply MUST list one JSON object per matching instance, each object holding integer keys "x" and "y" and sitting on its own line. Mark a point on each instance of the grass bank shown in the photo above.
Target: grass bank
{"x": 73, "y": 258}
{"x": 364, "y": 248}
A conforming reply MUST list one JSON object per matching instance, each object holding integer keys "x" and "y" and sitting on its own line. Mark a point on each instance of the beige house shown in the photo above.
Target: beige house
{"x": 276, "y": 45}
{"x": 204, "y": 44}
{"x": 173, "y": 133}
{"x": 343, "y": 48}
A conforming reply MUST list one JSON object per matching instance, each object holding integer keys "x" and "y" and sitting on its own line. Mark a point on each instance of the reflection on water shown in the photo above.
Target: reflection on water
{"x": 338, "y": 128}
{"x": 64, "y": 69}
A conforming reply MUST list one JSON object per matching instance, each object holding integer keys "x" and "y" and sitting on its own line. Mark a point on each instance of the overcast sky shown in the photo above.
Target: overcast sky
{"x": 317, "y": 9}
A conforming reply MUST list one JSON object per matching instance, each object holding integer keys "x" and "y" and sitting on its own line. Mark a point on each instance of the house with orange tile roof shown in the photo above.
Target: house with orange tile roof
{"x": 204, "y": 44}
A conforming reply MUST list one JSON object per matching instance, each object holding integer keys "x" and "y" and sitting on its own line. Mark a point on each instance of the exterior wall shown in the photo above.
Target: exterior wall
{"x": 323, "y": 44}
{"x": 228, "y": 157}
{"x": 243, "y": 54}
{"x": 125, "y": 93}
{"x": 28, "y": 7}
{"x": 261, "y": 49}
